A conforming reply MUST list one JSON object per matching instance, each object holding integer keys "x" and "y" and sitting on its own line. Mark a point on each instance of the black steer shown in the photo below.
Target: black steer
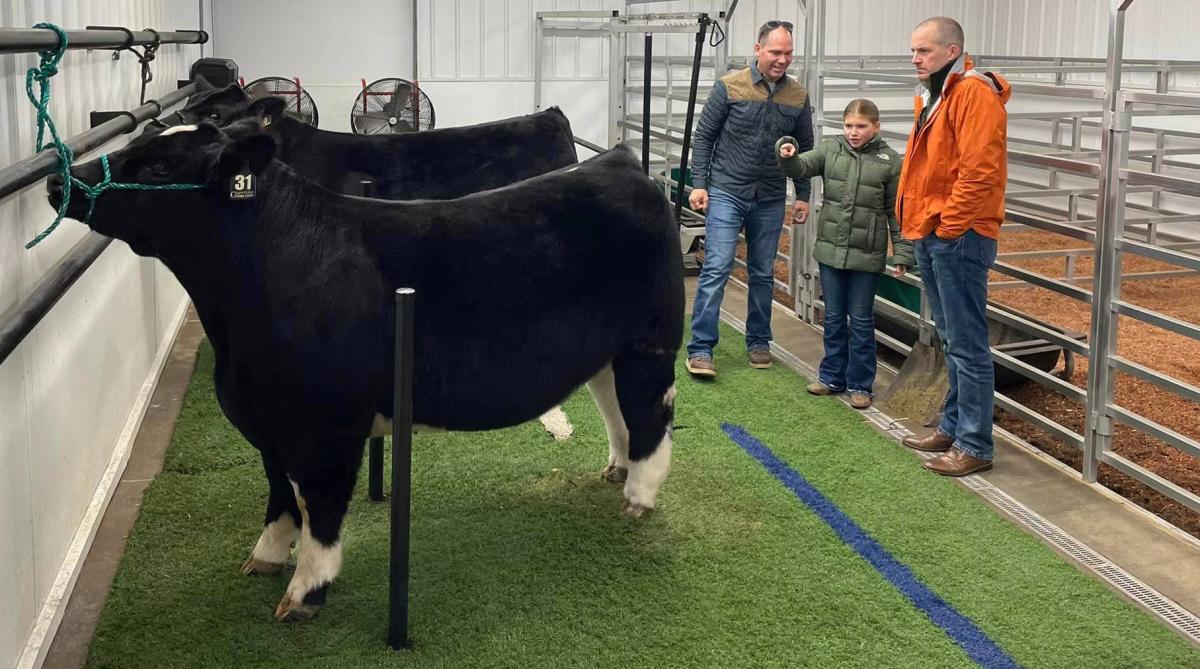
{"x": 573, "y": 277}
{"x": 435, "y": 165}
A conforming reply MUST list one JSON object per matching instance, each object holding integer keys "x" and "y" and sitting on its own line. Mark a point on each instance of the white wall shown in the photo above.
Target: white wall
{"x": 330, "y": 45}
{"x": 69, "y": 391}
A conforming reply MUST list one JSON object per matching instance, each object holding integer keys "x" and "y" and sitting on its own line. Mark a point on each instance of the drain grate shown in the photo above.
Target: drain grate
{"x": 1173, "y": 614}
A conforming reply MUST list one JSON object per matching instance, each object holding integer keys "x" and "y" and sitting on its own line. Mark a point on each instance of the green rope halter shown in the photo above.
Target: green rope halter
{"x": 47, "y": 68}
{"x": 93, "y": 192}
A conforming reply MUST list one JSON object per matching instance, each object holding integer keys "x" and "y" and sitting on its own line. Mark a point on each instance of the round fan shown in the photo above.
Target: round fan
{"x": 300, "y": 104}
{"x": 391, "y": 105}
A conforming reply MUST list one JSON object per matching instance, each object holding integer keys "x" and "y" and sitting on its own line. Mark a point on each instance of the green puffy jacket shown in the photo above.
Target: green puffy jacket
{"x": 858, "y": 215}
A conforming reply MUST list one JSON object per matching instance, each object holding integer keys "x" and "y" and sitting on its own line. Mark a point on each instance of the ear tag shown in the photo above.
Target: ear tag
{"x": 242, "y": 184}
{"x": 266, "y": 121}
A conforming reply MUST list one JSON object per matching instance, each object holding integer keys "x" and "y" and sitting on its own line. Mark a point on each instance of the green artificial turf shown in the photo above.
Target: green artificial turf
{"x": 521, "y": 558}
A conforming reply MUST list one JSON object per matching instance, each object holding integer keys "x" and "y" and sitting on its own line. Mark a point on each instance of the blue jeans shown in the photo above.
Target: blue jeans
{"x": 955, "y": 275}
{"x": 849, "y": 362}
{"x": 763, "y": 220}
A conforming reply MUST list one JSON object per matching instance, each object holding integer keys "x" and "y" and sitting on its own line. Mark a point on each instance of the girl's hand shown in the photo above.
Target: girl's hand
{"x": 787, "y": 150}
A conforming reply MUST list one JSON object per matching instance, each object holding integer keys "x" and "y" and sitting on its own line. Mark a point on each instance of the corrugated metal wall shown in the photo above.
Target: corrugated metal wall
{"x": 68, "y": 392}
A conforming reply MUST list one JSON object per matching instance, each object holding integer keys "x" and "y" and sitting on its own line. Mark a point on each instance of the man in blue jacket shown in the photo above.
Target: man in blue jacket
{"x": 736, "y": 179}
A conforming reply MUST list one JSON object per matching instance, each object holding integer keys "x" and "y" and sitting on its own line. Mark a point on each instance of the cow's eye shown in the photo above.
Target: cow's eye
{"x": 213, "y": 116}
{"x": 159, "y": 167}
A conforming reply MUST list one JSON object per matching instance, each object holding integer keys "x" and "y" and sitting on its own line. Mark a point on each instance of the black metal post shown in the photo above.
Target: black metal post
{"x": 691, "y": 113}
{"x": 25, "y": 40}
{"x": 647, "y": 68}
{"x": 401, "y": 472}
{"x": 366, "y": 188}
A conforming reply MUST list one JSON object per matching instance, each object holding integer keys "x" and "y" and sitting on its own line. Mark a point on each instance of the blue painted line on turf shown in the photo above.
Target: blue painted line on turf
{"x": 974, "y": 641}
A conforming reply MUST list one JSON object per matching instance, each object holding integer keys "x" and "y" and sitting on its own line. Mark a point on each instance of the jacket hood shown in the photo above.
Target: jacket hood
{"x": 964, "y": 68}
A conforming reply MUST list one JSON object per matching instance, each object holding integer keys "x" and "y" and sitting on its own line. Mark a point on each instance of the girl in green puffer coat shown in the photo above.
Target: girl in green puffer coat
{"x": 860, "y": 174}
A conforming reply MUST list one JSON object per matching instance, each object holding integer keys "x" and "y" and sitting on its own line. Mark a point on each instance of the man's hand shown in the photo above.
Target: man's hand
{"x": 799, "y": 211}
{"x": 900, "y": 271}
{"x": 787, "y": 150}
{"x": 698, "y": 199}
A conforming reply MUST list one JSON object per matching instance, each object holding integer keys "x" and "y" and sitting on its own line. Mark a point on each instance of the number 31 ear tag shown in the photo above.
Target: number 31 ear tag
{"x": 241, "y": 185}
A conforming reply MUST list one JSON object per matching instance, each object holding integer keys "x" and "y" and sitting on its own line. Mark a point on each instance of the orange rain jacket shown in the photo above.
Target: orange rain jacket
{"x": 956, "y": 166}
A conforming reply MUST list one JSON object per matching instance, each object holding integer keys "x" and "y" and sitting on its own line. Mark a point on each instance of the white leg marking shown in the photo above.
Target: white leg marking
{"x": 275, "y": 544}
{"x": 646, "y": 477}
{"x": 317, "y": 565}
{"x": 603, "y": 387}
{"x": 557, "y": 424}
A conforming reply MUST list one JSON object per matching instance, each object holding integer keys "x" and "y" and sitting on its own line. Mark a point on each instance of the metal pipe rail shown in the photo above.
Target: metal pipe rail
{"x": 26, "y": 40}
{"x": 29, "y": 171}
{"x": 19, "y": 321}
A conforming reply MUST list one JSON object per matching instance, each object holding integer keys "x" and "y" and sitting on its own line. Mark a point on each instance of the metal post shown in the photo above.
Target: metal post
{"x": 1076, "y": 145}
{"x": 401, "y": 472}
{"x": 691, "y": 113}
{"x": 800, "y": 261}
{"x": 647, "y": 70}
{"x": 721, "y": 53}
{"x": 817, "y": 98}
{"x": 669, "y": 107}
{"x": 1114, "y": 151}
{"x": 1156, "y": 166}
{"x": 616, "y": 82}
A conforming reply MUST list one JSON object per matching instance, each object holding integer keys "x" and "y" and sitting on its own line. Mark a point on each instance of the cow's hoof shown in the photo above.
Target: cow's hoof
{"x": 290, "y": 611}
{"x": 252, "y": 567}
{"x": 614, "y": 474}
{"x": 633, "y": 510}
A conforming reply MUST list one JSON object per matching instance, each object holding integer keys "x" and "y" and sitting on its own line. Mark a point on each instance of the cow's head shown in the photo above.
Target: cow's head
{"x": 220, "y": 107}
{"x": 203, "y": 159}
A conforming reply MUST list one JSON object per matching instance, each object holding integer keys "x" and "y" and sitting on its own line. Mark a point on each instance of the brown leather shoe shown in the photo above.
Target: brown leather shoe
{"x": 760, "y": 358}
{"x": 701, "y": 366}
{"x": 938, "y": 442}
{"x": 818, "y": 388}
{"x": 860, "y": 401}
{"x": 957, "y": 462}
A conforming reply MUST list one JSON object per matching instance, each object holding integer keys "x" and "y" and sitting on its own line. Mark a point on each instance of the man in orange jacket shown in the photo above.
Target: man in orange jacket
{"x": 950, "y": 203}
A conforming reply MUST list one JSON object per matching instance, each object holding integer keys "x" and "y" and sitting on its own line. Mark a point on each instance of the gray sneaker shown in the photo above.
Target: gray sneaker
{"x": 760, "y": 358}
{"x": 701, "y": 366}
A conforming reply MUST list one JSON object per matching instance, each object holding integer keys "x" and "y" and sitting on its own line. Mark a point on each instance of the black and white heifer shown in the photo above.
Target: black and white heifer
{"x": 572, "y": 277}
{"x": 435, "y": 165}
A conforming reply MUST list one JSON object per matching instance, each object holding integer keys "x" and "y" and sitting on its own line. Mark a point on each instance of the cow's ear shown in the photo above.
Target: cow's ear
{"x": 257, "y": 151}
{"x": 266, "y": 110}
{"x": 250, "y": 153}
